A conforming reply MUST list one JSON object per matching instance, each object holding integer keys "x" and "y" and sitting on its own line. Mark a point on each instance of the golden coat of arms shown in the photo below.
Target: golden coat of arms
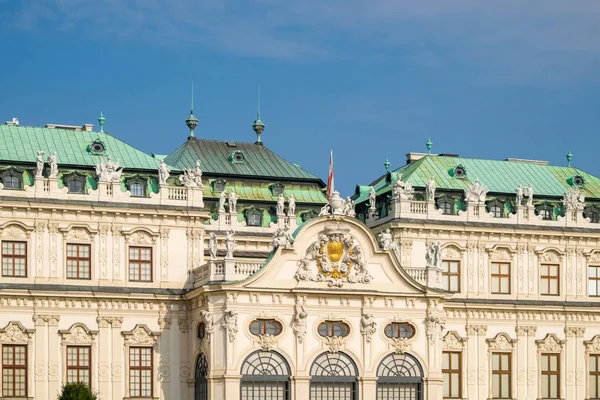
{"x": 337, "y": 258}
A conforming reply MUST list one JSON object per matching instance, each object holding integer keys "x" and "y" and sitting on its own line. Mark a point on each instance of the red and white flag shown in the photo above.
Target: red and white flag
{"x": 330, "y": 176}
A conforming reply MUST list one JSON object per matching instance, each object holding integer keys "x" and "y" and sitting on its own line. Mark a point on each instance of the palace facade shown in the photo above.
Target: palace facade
{"x": 222, "y": 271}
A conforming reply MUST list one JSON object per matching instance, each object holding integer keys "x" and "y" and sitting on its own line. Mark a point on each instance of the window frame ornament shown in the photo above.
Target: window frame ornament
{"x": 277, "y": 188}
{"x": 496, "y": 203}
{"x": 12, "y": 172}
{"x": 14, "y": 333}
{"x": 502, "y": 344}
{"x": 254, "y": 211}
{"x": 79, "y": 335}
{"x": 141, "y": 337}
{"x": 389, "y": 371}
{"x": 448, "y": 201}
{"x": 262, "y": 322}
{"x": 545, "y": 207}
{"x": 97, "y": 152}
{"x": 237, "y": 157}
{"x": 137, "y": 180}
{"x": 201, "y": 373}
{"x": 551, "y": 344}
{"x": 458, "y": 172}
{"x": 595, "y": 213}
{"x": 75, "y": 176}
{"x": 215, "y": 185}
{"x": 592, "y": 348}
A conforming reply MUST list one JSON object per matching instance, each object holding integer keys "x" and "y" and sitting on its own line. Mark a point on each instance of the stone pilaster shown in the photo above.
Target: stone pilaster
{"x": 575, "y": 363}
{"x": 476, "y": 370}
{"x": 104, "y": 356}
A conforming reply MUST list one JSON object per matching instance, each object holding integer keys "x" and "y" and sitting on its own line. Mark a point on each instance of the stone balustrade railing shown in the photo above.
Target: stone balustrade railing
{"x": 48, "y": 188}
{"x": 476, "y": 212}
{"x": 225, "y": 271}
{"x": 418, "y": 274}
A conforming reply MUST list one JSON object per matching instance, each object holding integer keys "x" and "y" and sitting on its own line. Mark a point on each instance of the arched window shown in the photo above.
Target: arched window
{"x": 496, "y": 207}
{"x": 446, "y": 204}
{"x": 399, "y": 376}
{"x": 399, "y": 330}
{"x": 12, "y": 179}
{"x": 592, "y": 213}
{"x": 333, "y": 376}
{"x": 265, "y": 375}
{"x": 265, "y": 327}
{"x": 333, "y": 328}
{"x": 545, "y": 211}
{"x": 201, "y": 383}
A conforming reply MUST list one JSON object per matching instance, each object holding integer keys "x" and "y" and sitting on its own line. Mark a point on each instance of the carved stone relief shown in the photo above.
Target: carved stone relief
{"x": 140, "y": 238}
{"x": 78, "y": 334}
{"x": 501, "y": 343}
{"x": 451, "y": 252}
{"x": 141, "y": 334}
{"x": 550, "y": 256}
{"x": 230, "y": 324}
{"x": 368, "y": 326}
{"x": 299, "y": 323}
{"x": 550, "y": 343}
{"x": 453, "y": 342}
{"x": 333, "y": 344}
{"x": 593, "y": 346}
{"x": 15, "y": 231}
{"x": 14, "y": 332}
{"x": 501, "y": 254}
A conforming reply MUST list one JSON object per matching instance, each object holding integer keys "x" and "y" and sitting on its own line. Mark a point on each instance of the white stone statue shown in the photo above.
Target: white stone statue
{"x": 433, "y": 257}
{"x": 430, "y": 189}
{"x": 299, "y": 323}
{"x": 476, "y": 193}
{"x": 208, "y": 319}
{"x": 222, "y": 199}
{"x": 372, "y": 198}
{"x": 325, "y": 210}
{"x": 229, "y": 244}
{"x": 368, "y": 326}
{"x": 291, "y": 206}
{"x": 402, "y": 190}
{"x": 386, "y": 240}
{"x": 198, "y": 173}
{"x": 163, "y": 173}
{"x": 230, "y": 324}
{"x": 519, "y": 198}
{"x": 109, "y": 171}
{"x": 39, "y": 163}
{"x": 528, "y": 192}
{"x": 349, "y": 207}
{"x": 574, "y": 200}
{"x": 283, "y": 237}
{"x": 280, "y": 204}
{"x": 212, "y": 246}
{"x": 53, "y": 166}
{"x": 233, "y": 198}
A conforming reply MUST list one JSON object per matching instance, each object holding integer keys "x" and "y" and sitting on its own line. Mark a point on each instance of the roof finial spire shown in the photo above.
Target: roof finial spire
{"x": 428, "y": 144}
{"x": 569, "y": 158}
{"x": 101, "y": 120}
{"x": 192, "y": 121}
{"x": 258, "y": 126}
{"x": 386, "y": 164}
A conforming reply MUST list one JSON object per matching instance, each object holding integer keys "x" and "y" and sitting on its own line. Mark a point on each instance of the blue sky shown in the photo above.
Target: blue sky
{"x": 369, "y": 79}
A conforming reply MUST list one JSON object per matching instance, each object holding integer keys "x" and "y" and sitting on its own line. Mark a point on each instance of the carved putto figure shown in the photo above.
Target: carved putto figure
{"x": 528, "y": 192}
{"x": 476, "y": 193}
{"x": 519, "y": 199}
{"x": 574, "y": 200}
{"x": 229, "y": 244}
{"x": 430, "y": 189}
{"x": 299, "y": 323}
{"x": 283, "y": 237}
{"x": 109, "y": 171}
{"x": 208, "y": 320}
{"x": 39, "y": 163}
{"x": 325, "y": 210}
{"x": 291, "y": 206}
{"x": 280, "y": 204}
{"x": 372, "y": 198}
{"x": 192, "y": 177}
{"x": 386, "y": 240}
{"x": 53, "y": 165}
{"x": 368, "y": 326}
{"x": 163, "y": 173}
{"x": 433, "y": 257}
{"x": 349, "y": 207}
{"x": 198, "y": 173}
{"x": 233, "y": 198}
{"x": 222, "y": 199}
{"x": 402, "y": 190}
{"x": 230, "y": 324}
{"x": 212, "y": 246}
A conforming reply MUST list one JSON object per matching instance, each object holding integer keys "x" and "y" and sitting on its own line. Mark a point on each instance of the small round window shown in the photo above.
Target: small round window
{"x": 333, "y": 328}
{"x": 459, "y": 172}
{"x": 265, "y": 327}
{"x": 578, "y": 180}
{"x": 201, "y": 330}
{"x": 237, "y": 157}
{"x": 399, "y": 330}
{"x": 97, "y": 147}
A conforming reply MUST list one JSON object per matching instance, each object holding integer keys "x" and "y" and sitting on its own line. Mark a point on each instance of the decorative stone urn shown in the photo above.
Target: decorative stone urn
{"x": 337, "y": 203}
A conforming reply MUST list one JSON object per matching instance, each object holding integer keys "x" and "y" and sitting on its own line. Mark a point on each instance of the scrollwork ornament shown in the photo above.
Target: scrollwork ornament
{"x": 550, "y": 344}
{"x": 267, "y": 342}
{"x": 453, "y": 342}
{"x": 334, "y": 343}
{"x": 501, "y": 343}
{"x": 400, "y": 345}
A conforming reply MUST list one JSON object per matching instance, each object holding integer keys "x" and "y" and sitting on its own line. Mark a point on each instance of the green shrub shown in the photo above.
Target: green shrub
{"x": 77, "y": 391}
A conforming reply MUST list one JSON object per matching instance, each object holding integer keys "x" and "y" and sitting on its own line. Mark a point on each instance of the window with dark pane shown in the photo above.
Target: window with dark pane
{"x": 140, "y": 264}
{"x": 333, "y": 328}
{"x": 549, "y": 279}
{"x": 594, "y": 280}
{"x": 253, "y": 218}
{"x": 201, "y": 330}
{"x": 451, "y": 275}
{"x": 140, "y": 372}
{"x": 14, "y": 370}
{"x": 137, "y": 189}
{"x": 12, "y": 180}
{"x": 500, "y": 278}
{"x": 452, "y": 372}
{"x": 399, "y": 330}
{"x": 501, "y": 376}
{"x": 79, "y": 261}
{"x": 265, "y": 327}
{"x": 550, "y": 385}
{"x": 76, "y": 185}
{"x": 79, "y": 366}
{"x": 594, "y": 376}
{"x": 14, "y": 259}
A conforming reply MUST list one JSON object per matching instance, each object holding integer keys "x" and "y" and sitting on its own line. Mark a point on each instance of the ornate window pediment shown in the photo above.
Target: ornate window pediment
{"x": 237, "y": 157}
{"x": 12, "y": 178}
{"x": 78, "y": 334}
{"x": 219, "y": 185}
{"x": 14, "y": 332}
{"x": 451, "y": 252}
{"x": 80, "y": 233}
{"x": 137, "y": 185}
{"x": 253, "y": 216}
{"x": 140, "y": 335}
{"x": 592, "y": 346}
{"x": 501, "y": 254}
{"x": 75, "y": 182}
{"x": 277, "y": 189}
{"x": 459, "y": 172}
{"x": 140, "y": 236}
{"x": 502, "y": 342}
{"x": 549, "y": 256}
{"x": 446, "y": 204}
{"x": 15, "y": 231}
{"x": 550, "y": 344}
{"x": 453, "y": 342}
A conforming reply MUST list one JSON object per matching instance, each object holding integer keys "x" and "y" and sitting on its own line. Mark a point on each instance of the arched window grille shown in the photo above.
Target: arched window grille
{"x": 200, "y": 378}
{"x": 399, "y": 377}
{"x": 446, "y": 205}
{"x": 592, "y": 213}
{"x": 265, "y": 375}
{"x": 545, "y": 211}
{"x": 496, "y": 208}
{"x": 333, "y": 376}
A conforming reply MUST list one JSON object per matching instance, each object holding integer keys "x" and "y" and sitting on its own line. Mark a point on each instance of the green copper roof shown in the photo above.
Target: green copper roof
{"x": 216, "y": 158}
{"x": 256, "y": 190}
{"x": 21, "y": 144}
{"x": 497, "y": 176}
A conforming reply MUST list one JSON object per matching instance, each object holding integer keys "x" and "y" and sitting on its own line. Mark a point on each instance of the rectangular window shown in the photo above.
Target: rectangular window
{"x": 14, "y": 371}
{"x": 500, "y": 278}
{"x": 137, "y": 190}
{"x": 79, "y": 366}
{"x": 79, "y": 261}
{"x": 451, "y": 276}
{"x": 501, "y": 367}
{"x": 549, "y": 283}
{"x": 140, "y": 264}
{"x": 14, "y": 259}
{"x": 594, "y": 376}
{"x": 550, "y": 376}
{"x": 451, "y": 370}
{"x": 140, "y": 371}
{"x": 594, "y": 280}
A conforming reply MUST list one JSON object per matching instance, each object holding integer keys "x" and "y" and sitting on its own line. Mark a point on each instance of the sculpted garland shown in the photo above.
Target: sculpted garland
{"x": 337, "y": 258}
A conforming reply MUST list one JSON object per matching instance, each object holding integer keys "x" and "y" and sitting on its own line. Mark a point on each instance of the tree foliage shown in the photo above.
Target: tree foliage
{"x": 76, "y": 391}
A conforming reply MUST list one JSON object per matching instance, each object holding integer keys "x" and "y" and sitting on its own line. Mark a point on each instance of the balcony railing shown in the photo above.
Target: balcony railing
{"x": 225, "y": 271}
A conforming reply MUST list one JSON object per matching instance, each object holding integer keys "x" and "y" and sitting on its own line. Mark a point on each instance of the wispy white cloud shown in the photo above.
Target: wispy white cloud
{"x": 513, "y": 40}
